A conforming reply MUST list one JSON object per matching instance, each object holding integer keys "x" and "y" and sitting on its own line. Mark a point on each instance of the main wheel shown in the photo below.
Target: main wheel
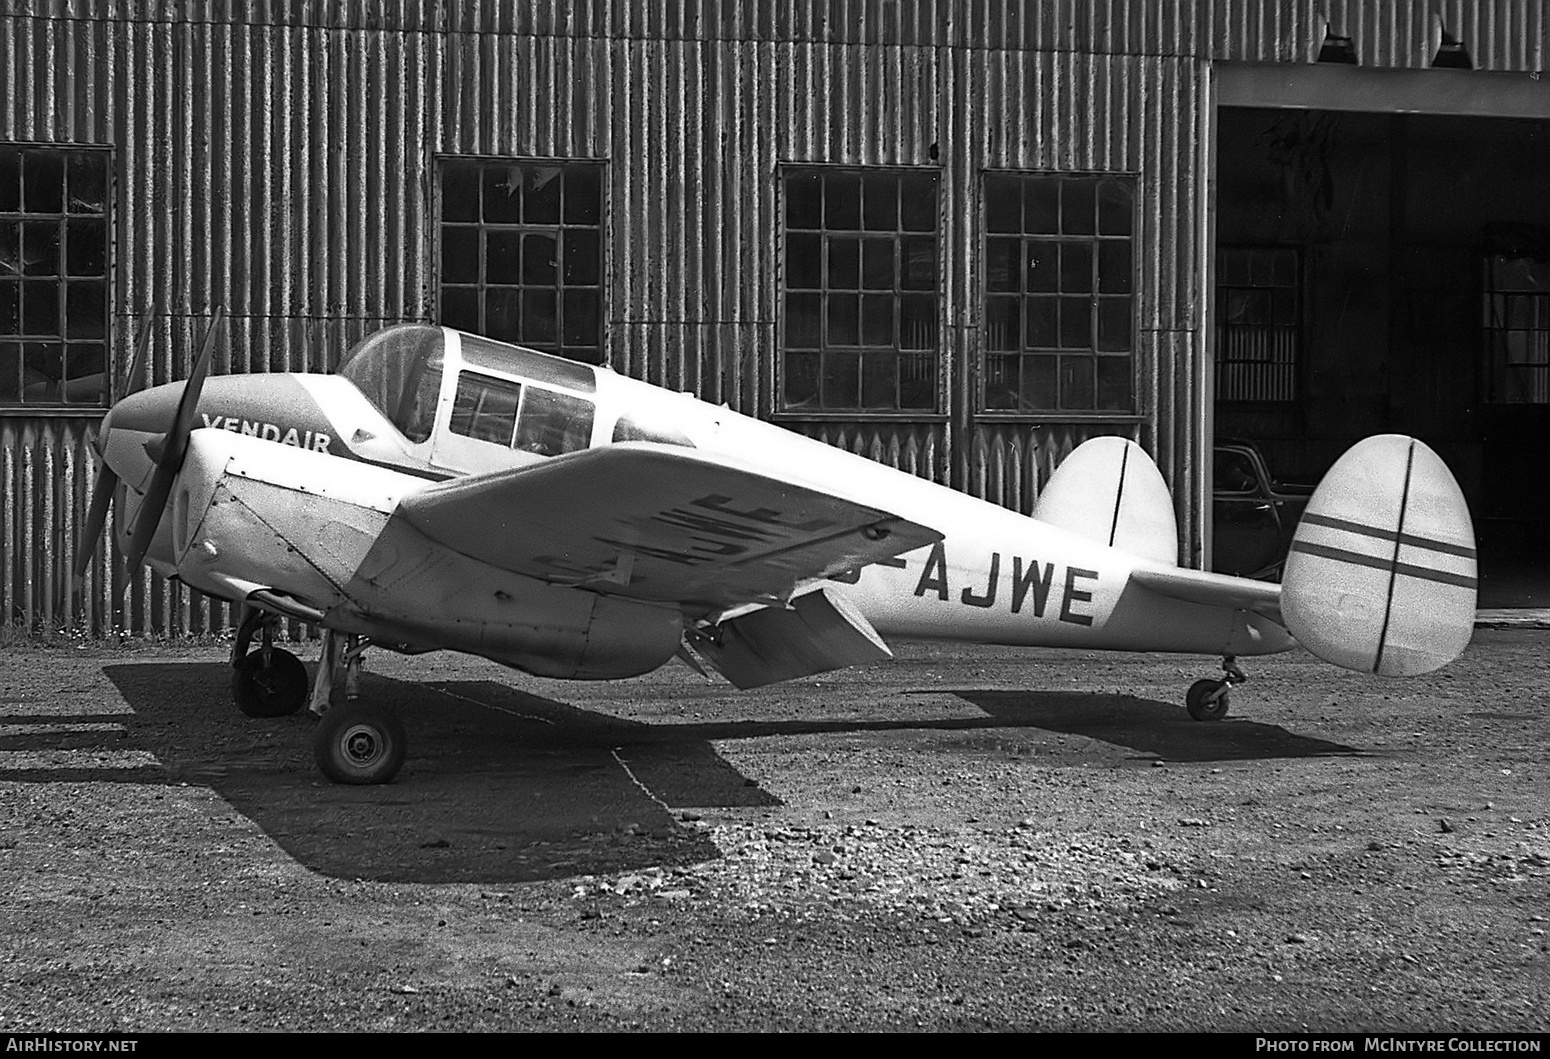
{"x": 1200, "y": 707}
{"x": 360, "y": 744}
{"x": 269, "y": 691}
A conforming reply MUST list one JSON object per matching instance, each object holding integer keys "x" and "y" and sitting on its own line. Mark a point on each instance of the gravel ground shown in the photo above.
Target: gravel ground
{"x": 964, "y": 838}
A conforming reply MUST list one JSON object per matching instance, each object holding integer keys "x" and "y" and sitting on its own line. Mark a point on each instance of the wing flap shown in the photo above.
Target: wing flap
{"x": 817, "y": 633}
{"x": 659, "y": 522}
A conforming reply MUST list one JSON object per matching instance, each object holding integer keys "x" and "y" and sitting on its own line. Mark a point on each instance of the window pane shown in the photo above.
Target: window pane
{"x": 917, "y": 380}
{"x": 877, "y": 319}
{"x": 1040, "y": 386}
{"x": 42, "y": 371}
{"x": 801, "y": 380}
{"x": 844, "y": 263}
{"x": 1076, "y": 267}
{"x": 804, "y": 200}
{"x": 86, "y": 379}
{"x": 1041, "y": 206}
{"x": 877, "y": 264}
{"x": 804, "y": 260}
{"x": 87, "y": 247}
{"x": 460, "y": 308}
{"x": 1115, "y": 210}
{"x": 553, "y": 423}
{"x": 804, "y": 320}
{"x": 1114, "y": 267}
{"x": 1076, "y": 383}
{"x": 502, "y": 256}
{"x": 1040, "y": 319}
{"x": 1076, "y": 324}
{"x": 502, "y": 194}
{"x": 1003, "y": 264}
{"x": 503, "y": 314}
{"x": 43, "y": 182}
{"x": 10, "y": 372}
{"x": 844, "y": 321}
{"x": 10, "y": 307}
{"x": 1043, "y": 266}
{"x": 879, "y": 380}
{"x": 1115, "y": 327}
{"x": 1002, "y": 381}
{"x": 842, "y": 380}
{"x": 583, "y": 195}
{"x": 40, "y": 307}
{"x": 1077, "y": 207}
{"x": 880, "y": 201}
{"x": 917, "y": 321}
{"x": 460, "y": 193}
{"x": 10, "y": 185}
{"x": 485, "y": 409}
{"x": 541, "y": 195}
{"x": 40, "y": 248}
{"x": 583, "y": 257}
{"x": 538, "y": 259}
{"x": 917, "y": 203}
{"x": 917, "y": 258}
{"x": 581, "y": 318}
{"x": 538, "y": 317}
{"x": 1003, "y": 319}
{"x": 1114, "y": 383}
{"x": 85, "y": 310}
{"x": 842, "y": 201}
{"x": 459, "y": 255}
{"x": 88, "y": 182}
{"x": 1003, "y": 205}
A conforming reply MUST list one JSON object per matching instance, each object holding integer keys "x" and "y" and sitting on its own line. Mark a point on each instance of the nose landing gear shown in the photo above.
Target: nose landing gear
{"x": 269, "y": 681}
{"x": 1206, "y": 699}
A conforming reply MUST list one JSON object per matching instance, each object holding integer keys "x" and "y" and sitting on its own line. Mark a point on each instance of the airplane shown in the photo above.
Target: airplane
{"x": 442, "y": 490}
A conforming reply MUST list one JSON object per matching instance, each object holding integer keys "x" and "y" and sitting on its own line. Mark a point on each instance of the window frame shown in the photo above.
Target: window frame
{"x": 522, "y": 229}
{"x": 63, "y": 279}
{"x": 937, "y": 411}
{"x": 978, "y": 396}
{"x": 1220, "y": 289}
{"x": 1502, "y": 310}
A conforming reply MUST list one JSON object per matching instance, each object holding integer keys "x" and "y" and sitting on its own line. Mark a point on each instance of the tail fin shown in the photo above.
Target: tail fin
{"x": 1381, "y": 574}
{"x": 1109, "y": 490}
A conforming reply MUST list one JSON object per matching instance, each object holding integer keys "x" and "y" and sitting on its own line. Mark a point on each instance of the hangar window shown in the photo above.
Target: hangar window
{"x": 54, "y": 253}
{"x": 859, "y": 289}
{"x": 1517, "y": 329}
{"x": 522, "y": 255}
{"x": 1258, "y": 323}
{"x": 1059, "y": 290}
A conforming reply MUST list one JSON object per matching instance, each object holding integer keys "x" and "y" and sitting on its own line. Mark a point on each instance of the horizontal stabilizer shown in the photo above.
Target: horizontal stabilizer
{"x": 819, "y": 632}
{"x": 1381, "y": 573}
{"x": 1109, "y": 490}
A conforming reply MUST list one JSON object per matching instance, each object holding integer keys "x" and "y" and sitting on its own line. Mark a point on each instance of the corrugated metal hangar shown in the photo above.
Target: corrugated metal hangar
{"x": 958, "y": 237}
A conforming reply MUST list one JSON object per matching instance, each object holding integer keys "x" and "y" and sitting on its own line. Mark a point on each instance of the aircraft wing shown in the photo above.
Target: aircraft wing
{"x": 1213, "y": 590}
{"x": 659, "y": 522}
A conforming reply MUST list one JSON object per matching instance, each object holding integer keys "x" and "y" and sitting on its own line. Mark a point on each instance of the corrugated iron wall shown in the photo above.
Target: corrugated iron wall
{"x": 279, "y": 159}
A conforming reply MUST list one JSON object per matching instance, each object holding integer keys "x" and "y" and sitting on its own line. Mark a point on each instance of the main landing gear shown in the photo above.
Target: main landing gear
{"x": 1207, "y": 699}
{"x": 355, "y": 742}
{"x": 269, "y": 681}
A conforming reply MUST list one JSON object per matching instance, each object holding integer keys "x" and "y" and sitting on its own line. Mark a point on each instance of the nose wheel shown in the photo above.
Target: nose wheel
{"x": 1206, "y": 699}
{"x": 268, "y": 681}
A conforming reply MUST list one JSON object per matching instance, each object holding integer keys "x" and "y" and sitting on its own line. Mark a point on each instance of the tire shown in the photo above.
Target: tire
{"x": 360, "y": 745}
{"x": 278, "y": 691}
{"x": 1201, "y": 709}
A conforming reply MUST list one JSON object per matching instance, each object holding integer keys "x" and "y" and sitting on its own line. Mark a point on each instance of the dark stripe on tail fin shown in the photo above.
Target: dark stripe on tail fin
{"x": 1362, "y": 529}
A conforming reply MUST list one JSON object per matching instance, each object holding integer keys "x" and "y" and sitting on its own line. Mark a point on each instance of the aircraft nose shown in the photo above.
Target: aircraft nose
{"x": 149, "y": 411}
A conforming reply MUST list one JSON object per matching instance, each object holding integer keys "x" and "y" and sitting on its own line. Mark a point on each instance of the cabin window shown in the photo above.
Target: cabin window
{"x": 55, "y": 248}
{"x": 1059, "y": 293}
{"x": 525, "y": 417}
{"x": 629, "y": 428}
{"x": 521, "y": 253}
{"x": 1258, "y": 317}
{"x": 859, "y": 286}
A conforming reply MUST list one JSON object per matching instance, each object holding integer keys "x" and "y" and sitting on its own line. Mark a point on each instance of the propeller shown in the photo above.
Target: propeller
{"x": 107, "y": 478}
{"x": 169, "y": 453}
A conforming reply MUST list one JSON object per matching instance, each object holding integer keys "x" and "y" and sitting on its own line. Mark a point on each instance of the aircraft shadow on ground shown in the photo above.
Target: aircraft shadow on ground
{"x": 1149, "y": 726}
{"x": 505, "y": 786}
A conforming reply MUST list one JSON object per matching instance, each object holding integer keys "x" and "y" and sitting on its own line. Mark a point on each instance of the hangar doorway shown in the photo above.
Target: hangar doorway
{"x": 1390, "y": 272}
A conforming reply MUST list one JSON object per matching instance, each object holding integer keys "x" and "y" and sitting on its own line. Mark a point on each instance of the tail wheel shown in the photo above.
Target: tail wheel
{"x": 1202, "y": 706}
{"x": 275, "y": 690}
{"x": 360, "y": 744}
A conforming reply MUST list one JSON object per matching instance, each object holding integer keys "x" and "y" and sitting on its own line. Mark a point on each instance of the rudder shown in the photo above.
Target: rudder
{"x": 1381, "y": 577}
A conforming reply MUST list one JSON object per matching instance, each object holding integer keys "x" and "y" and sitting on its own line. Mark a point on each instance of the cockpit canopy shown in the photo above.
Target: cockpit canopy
{"x": 399, "y": 371}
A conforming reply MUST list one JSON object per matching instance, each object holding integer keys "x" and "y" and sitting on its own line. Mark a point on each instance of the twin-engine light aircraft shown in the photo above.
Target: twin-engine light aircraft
{"x": 444, "y": 491}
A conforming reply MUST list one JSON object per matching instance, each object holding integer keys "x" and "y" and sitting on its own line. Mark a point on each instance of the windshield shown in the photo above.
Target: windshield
{"x": 399, "y": 371}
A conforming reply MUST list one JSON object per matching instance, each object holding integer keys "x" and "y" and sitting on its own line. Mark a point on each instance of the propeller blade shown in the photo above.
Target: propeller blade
{"x": 96, "y": 516}
{"x": 171, "y": 459}
{"x": 127, "y": 385}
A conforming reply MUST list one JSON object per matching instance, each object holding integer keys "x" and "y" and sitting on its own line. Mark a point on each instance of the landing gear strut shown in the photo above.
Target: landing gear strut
{"x": 1207, "y": 699}
{"x": 356, "y": 742}
{"x": 270, "y": 681}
